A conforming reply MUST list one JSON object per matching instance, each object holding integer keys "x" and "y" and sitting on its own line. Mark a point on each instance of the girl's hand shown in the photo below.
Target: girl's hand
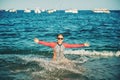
{"x": 36, "y": 40}
{"x": 87, "y": 44}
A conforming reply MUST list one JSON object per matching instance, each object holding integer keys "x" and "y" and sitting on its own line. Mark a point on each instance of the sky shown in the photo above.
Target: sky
{"x": 60, "y": 4}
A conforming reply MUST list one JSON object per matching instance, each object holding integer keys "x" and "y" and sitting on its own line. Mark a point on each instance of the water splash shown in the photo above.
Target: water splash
{"x": 53, "y": 65}
{"x": 54, "y": 69}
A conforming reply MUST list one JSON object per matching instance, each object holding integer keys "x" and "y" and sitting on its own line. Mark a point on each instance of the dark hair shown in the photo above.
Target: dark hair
{"x": 59, "y": 35}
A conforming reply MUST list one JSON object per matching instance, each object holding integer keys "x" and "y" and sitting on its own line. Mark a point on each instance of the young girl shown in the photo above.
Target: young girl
{"x": 59, "y": 46}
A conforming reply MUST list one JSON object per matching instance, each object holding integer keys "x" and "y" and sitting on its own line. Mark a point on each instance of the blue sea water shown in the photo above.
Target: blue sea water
{"x": 22, "y": 59}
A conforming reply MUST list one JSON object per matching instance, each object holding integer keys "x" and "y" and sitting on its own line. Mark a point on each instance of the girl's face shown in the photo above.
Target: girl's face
{"x": 60, "y": 39}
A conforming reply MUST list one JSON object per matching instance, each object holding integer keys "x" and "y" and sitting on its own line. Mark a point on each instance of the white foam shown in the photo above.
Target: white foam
{"x": 117, "y": 54}
{"x": 94, "y": 53}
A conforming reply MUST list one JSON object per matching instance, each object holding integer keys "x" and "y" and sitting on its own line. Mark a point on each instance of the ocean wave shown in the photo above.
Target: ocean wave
{"x": 94, "y": 53}
{"x": 42, "y": 67}
{"x": 67, "y": 52}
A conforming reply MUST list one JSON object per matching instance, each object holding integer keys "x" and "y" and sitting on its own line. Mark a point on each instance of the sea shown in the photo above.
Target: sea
{"x": 23, "y": 59}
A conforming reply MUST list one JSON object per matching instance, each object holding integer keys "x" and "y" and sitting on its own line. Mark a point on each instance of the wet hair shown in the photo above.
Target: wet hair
{"x": 59, "y": 35}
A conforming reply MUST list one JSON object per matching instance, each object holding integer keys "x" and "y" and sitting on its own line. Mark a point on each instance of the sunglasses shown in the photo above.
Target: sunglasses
{"x": 60, "y": 38}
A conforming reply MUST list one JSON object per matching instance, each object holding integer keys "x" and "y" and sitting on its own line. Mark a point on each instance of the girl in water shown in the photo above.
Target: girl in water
{"x": 59, "y": 46}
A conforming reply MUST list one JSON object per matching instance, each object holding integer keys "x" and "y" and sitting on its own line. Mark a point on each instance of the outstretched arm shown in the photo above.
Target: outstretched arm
{"x": 75, "y": 45}
{"x": 50, "y": 44}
